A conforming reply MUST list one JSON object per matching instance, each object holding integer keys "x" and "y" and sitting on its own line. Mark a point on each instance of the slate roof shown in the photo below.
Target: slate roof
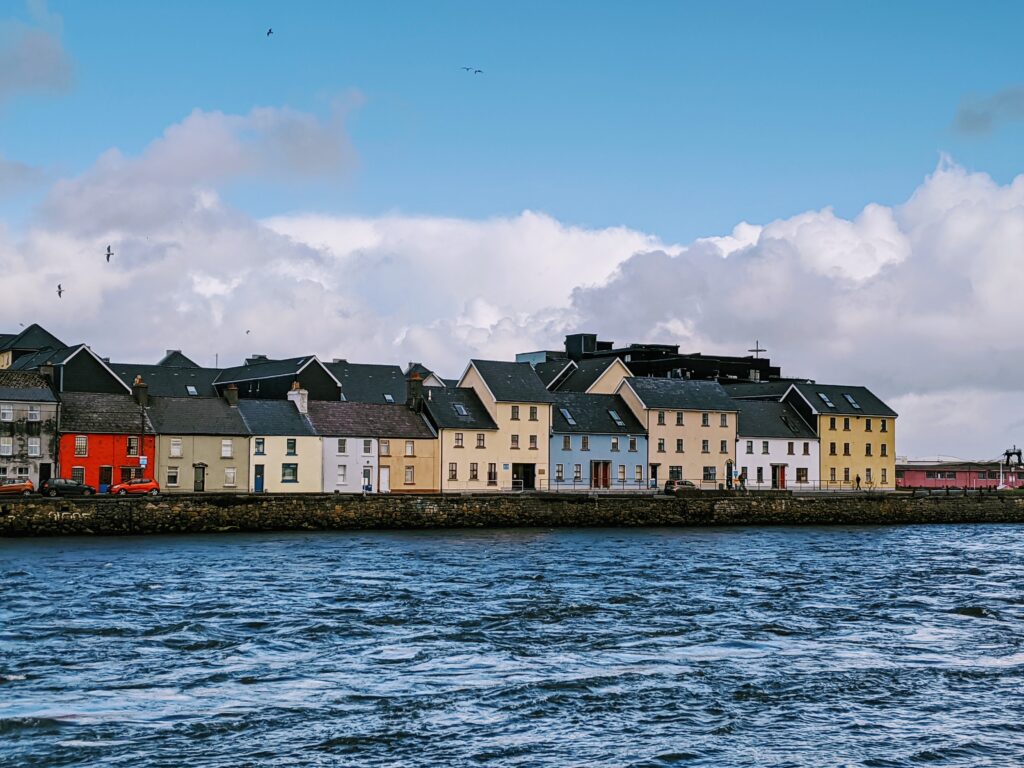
{"x": 169, "y": 381}
{"x": 512, "y": 382}
{"x": 682, "y": 394}
{"x": 587, "y": 371}
{"x": 263, "y": 370}
{"x": 440, "y": 406}
{"x": 196, "y": 416}
{"x": 175, "y": 359}
{"x": 23, "y": 386}
{"x": 274, "y": 417}
{"x": 33, "y": 337}
{"x": 761, "y": 390}
{"x": 366, "y": 383}
{"x": 590, "y": 412}
{"x": 770, "y": 418}
{"x": 86, "y": 412}
{"x": 421, "y": 369}
{"x": 47, "y": 356}
{"x": 837, "y": 394}
{"x": 550, "y": 370}
{"x": 334, "y": 419}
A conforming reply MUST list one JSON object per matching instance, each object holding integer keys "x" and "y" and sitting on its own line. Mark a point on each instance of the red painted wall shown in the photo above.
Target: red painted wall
{"x": 104, "y": 450}
{"x": 917, "y": 478}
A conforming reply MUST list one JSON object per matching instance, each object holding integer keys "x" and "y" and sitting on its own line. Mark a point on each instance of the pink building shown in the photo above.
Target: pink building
{"x": 957, "y": 474}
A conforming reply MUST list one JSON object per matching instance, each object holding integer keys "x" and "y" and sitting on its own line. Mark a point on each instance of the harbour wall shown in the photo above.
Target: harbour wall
{"x": 38, "y": 516}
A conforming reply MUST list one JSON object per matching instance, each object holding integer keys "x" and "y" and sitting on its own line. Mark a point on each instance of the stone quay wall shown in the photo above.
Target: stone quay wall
{"x": 38, "y": 516}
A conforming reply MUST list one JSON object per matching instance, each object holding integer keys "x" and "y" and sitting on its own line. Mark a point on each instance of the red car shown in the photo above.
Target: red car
{"x": 24, "y": 487}
{"x": 141, "y": 485}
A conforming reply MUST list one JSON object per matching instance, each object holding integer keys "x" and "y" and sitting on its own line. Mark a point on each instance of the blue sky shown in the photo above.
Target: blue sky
{"x": 679, "y": 119}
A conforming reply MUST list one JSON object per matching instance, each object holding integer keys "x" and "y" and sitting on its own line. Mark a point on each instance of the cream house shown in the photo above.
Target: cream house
{"x": 468, "y": 449}
{"x": 284, "y": 449}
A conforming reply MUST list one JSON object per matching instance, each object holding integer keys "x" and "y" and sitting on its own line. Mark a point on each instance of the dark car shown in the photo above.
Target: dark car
{"x": 672, "y": 487}
{"x": 57, "y": 486}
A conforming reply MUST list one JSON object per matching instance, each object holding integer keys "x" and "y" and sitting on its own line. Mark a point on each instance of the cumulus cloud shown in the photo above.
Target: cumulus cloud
{"x": 32, "y": 57}
{"x": 982, "y": 115}
{"x": 16, "y": 177}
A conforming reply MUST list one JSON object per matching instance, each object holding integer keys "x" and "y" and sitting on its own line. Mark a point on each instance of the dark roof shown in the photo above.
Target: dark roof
{"x": 761, "y": 390}
{"x": 264, "y": 370}
{"x": 770, "y": 418}
{"x": 512, "y": 382}
{"x": 103, "y": 413}
{"x": 839, "y": 395}
{"x": 587, "y": 371}
{"x": 421, "y": 369}
{"x": 20, "y": 385}
{"x": 196, "y": 416}
{"x": 334, "y": 419}
{"x": 550, "y": 369}
{"x": 47, "y": 356}
{"x": 450, "y": 382}
{"x": 274, "y": 417}
{"x": 591, "y": 414}
{"x": 682, "y": 394}
{"x": 33, "y": 337}
{"x": 165, "y": 381}
{"x": 175, "y": 359}
{"x": 367, "y": 383}
{"x": 441, "y": 408}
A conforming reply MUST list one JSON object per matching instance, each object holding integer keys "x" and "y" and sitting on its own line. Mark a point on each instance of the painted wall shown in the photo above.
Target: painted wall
{"x": 308, "y": 456}
{"x": 608, "y": 382}
{"x": 202, "y": 449}
{"x": 345, "y": 460}
{"x": 19, "y": 429}
{"x": 839, "y": 469}
{"x": 750, "y": 456}
{"x": 465, "y": 456}
{"x": 104, "y": 451}
{"x": 601, "y": 449}
{"x": 420, "y": 456}
{"x": 958, "y": 478}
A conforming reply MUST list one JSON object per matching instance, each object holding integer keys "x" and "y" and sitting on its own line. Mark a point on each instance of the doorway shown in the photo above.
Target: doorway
{"x": 258, "y": 478}
{"x": 524, "y": 476}
{"x": 654, "y": 475}
{"x": 600, "y": 474}
{"x": 45, "y": 472}
{"x": 106, "y": 478}
{"x": 199, "y": 483}
{"x": 384, "y": 486}
{"x": 779, "y": 477}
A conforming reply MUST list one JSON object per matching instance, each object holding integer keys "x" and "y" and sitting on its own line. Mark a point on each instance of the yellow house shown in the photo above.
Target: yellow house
{"x": 469, "y": 453}
{"x": 285, "y": 452}
{"x": 691, "y": 429}
{"x": 857, "y": 433}
{"x": 520, "y": 405}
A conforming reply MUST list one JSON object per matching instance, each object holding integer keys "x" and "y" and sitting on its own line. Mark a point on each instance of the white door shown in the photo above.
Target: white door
{"x": 385, "y": 480}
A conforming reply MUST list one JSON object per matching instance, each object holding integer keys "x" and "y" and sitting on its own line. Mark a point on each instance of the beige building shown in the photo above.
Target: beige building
{"x": 691, "y": 429}
{"x": 468, "y": 452}
{"x": 285, "y": 454}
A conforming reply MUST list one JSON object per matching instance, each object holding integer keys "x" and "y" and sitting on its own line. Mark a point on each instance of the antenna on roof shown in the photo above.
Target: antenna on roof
{"x": 757, "y": 350}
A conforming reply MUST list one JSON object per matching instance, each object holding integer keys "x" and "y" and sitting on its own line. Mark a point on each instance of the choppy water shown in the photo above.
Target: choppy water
{"x": 752, "y": 647}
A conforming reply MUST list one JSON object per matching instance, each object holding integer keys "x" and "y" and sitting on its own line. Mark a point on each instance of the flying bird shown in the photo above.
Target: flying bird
{"x": 247, "y": 333}
{"x": 467, "y": 69}
{"x": 60, "y": 291}
{"x": 109, "y": 254}
{"x": 478, "y": 71}
{"x": 270, "y": 31}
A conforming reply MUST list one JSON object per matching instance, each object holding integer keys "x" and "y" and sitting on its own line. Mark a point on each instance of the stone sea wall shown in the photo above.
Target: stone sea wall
{"x": 37, "y": 516}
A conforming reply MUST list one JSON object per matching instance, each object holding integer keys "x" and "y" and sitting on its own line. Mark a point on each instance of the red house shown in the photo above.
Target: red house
{"x": 105, "y": 438}
{"x": 957, "y": 474}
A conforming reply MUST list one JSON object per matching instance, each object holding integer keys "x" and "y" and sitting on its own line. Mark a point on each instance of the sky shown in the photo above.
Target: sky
{"x": 841, "y": 182}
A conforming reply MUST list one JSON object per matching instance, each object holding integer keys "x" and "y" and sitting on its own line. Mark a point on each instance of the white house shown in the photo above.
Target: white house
{"x": 775, "y": 448}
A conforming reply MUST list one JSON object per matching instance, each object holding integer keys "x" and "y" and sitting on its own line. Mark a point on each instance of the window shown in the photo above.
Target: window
{"x": 801, "y": 474}
{"x": 710, "y": 473}
{"x": 474, "y": 472}
{"x": 567, "y": 416}
{"x": 661, "y": 445}
{"x": 825, "y": 399}
{"x": 367, "y": 447}
{"x": 867, "y": 449}
{"x": 290, "y": 447}
{"x": 533, "y": 413}
{"x": 724, "y": 420}
{"x": 846, "y": 424}
{"x": 176, "y": 451}
{"x": 6, "y": 446}
{"x": 723, "y": 446}
{"x": 883, "y": 425}
{"x": 191, "y": 390}
{"x": 846, "y": 475}
{"x": 230, "y": 477}
{"x": 515, "y": 442}
{"x": 460, "y": 409}
{"x": 577, "y": 472}
{"x": 884, "y": 449}
{"x": 661, "y": 418}
{"x": 410, "y": 475}
{"x": 615, "y": 444}
{"x": 632, "y": 444}
{"x": 128, "y": 473}
{"x": 227, "y": 449}
{"x": 622, "y": 473}
{"x": 388, "y": 398}
{"x": 342, "y": 446}
{"x": 459, "y": 440}
{"x": 885, "y": 476}
{"x": 851, "y": 401}
{"x": 259, "y": 446}
{"x": 533, "y": 442}
{"x": 481, "y": 440}
{"x": 78, "y": 474}
{"x": 867, "y": 425}
{"x": 675, "y": 473}
{"x": 705, "y": 446}
{"x": 35, "y": 447}
{"x": 585, "y": 443}
{"x": 559, "y": 472}
{"x": 760, "y": 475}
{"x": 515, "y": 413}
{"x": 791, "y": 448}
{"x": 616, "y": 418}
{"x": 289, "y": 473}
{"x": 566, "y": 443}
{"x": 492, "y": 474}
{"x": 133, "y": 446}
{"x": 679, "y": 445}
{"x": 639, "y": 473}
{"x": 807, "y": 449}
{"x": 342, "y": 478}
{"x": 832, "y": 449}
{"x": 453, "y": 471}
{"x": 764, "y": 446}
{"x": 410, "y": 447}
{"x": 832, "y": 474}
{"x": 867, "y": 475}
{"x": 6, "y": 412}
{"x": 172, "y": 476}
{"x": 705, "y": 419}
{"x": 33, "y": 413}
{"x": 750, "y": 446}
{"x": 846, "y": 449}
{"x": 679, "y": 418}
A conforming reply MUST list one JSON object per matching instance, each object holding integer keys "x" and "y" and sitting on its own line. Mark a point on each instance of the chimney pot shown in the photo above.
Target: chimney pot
{"x": 231, "y": 394}
{"x": 140, "y": 391}
{"x": 300, "y": 397}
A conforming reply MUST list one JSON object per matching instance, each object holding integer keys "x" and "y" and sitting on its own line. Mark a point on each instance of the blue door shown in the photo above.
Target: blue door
{"x": 258, "y": 478}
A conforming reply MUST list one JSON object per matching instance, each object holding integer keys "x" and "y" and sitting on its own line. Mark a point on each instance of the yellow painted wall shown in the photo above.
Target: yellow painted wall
{"x": 308, "y": 455}
{"x": 858, "y": 436}
{"x": 472, "y": 380}
{"x": 466, "y": 455}
{"x": 608, "y": 382}
{"x": 423, "y": 463}
{"x": 5, "y": 359}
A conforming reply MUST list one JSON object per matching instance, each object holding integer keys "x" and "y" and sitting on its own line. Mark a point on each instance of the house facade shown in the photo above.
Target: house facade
{"x": 596, "y": 444}
{"x": 691, "y": 429}
{"x": 467, "y": 448}
{"x": 775, "y": 448}
{"x": 988, "y": 475}
{"x": 285, "y": 453}
{"x": 28, "y": 428}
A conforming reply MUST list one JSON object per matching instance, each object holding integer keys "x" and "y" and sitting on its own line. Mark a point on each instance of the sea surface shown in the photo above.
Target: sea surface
{"x": 873, "y": 646}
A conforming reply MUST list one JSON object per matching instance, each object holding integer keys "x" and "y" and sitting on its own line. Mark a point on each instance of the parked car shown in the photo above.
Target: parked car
{"x": 672, "y": 487}
{"x": 58, "y": 486}
{"x": 139, "y": 485}
{"x": 24, "y": 487}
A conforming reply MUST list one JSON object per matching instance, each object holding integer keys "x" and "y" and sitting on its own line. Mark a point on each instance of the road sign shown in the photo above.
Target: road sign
{"x": 143, "y": 461}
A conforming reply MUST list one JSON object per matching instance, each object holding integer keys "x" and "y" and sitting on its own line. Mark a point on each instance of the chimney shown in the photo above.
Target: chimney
{"x": 414, "y": 391}
{"x": 300, "y": 397}
{"x": 46, "y": 371}
{"x": 231, "y": 395}
{"x": 140, "y": 391}
{"x": 172, "y": 351}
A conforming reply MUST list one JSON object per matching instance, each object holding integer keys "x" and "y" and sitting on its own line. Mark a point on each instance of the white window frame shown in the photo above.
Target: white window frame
{"x": 230, "y": 477}
{"x": 35, "y": 447}
{"x": 410, "y": 447}
{"x": 367, "y": 447}
{"x": 227, "y": 449}
{"x": 342, "y": 446}
{"x": 34, "y": 413}
{"x": 6, "y": 412}
{"x": 6, "y": 446}
{"x": 173, "y": 477}
{"x": 176, "y": 450}
{"x": 341, "y": 477}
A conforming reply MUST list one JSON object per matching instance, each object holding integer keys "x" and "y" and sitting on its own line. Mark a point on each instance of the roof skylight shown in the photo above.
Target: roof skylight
{"x": 460, "y": 409}
{"x": 616, "y": 418}
{"x": 568, "y": 417}
{"x": 825, "y": 399}
{"x": 851, "y": 401}
{"x": 193, "y": 392}
{"x": 388, "y": 398}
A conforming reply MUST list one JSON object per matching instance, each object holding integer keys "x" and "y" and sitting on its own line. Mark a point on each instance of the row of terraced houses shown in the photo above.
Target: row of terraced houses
{"x": 590, "y": 417}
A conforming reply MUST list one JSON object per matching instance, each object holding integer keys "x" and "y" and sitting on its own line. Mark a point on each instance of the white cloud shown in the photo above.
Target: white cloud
{"x": 32, "y": 57}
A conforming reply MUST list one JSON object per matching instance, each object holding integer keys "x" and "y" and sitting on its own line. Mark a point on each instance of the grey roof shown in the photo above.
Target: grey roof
{"x": 264, "y": 370}
{"x": 274, "y": 417}
{"x": 512, "y": 382}
{"x": 102, "y": 413}
{"x": 761, "y": 390}
{"x": 196, "y": 416}
{"x": 421, "y": 369}
{"x": 367, "y": 383}
{"x": 47, "y": 356}
{"x": 452, "y": 383}
{"x": 336, "y": 419}
{"x": 591, "y": 414}
{"x": 33, "y": 337}
{"x": 682, "y": 394}
{"x": 837, "y": 395}
{"x": 550, "y": 370}
{"x": 441, "y": 405}
{"x": 770, "y": 418}
{"x": 587, "y": 371}
{"x": 24, "y": 386}
{"x": 175, "y": 359}
{"x": 165, "y": 381}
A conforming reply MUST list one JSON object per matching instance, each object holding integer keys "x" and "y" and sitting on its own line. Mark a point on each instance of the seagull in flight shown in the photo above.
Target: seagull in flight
{"x": 247, "y": 333}
{"x": 109, "y": 254}
{"x": 270, "y": 31}
{"x": 478, "y": 71}
{"x": 60, "y": 291}
{"x": 467, "y": 69}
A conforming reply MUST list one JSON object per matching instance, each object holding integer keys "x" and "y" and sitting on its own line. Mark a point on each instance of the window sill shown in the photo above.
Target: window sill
{"x": 410, "y": 456}
{"x": 290, "y": 482}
